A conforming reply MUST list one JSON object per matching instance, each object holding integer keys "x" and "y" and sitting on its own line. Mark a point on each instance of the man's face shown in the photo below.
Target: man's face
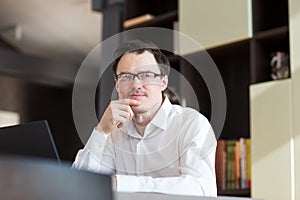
{"x": 146, "y": 90}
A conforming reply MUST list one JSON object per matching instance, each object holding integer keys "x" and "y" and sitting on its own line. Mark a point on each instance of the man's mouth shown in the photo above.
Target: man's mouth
{"x": 137, "y": 96}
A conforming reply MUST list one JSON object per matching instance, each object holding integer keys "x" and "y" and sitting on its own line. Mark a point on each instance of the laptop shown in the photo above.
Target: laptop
{"x": 32, "y": 178}
{"x": 31, "y": 140}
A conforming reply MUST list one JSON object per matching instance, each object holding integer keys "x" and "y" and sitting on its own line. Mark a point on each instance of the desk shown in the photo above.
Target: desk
{"x": 39, "y": 179}
{"x": 157, "y": 196}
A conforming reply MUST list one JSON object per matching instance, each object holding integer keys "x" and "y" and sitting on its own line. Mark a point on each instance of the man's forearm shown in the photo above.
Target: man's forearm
{"x": 181, "y": 185}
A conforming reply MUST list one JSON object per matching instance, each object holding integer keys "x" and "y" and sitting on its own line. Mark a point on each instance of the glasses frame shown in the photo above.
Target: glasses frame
{"x": 137, "y": 75}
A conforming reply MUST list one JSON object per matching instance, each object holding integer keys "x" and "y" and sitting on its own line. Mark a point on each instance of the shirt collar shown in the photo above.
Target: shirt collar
{"x": 161, "y": 117}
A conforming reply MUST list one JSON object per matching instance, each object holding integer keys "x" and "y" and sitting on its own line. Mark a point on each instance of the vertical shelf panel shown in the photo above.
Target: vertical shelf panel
{"x": 294, "y": 23}
{"x": 271, "y": 133}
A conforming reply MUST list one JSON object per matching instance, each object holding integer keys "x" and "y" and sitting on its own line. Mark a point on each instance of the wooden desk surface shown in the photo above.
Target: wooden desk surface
{"x": 157, "y": 196}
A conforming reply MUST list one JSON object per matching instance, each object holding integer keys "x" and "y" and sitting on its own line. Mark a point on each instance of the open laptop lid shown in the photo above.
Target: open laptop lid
{"x": 29, "y": 179}
{"x": 31, "y": 139}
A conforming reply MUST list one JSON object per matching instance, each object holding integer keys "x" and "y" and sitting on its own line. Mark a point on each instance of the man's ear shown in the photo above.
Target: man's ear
{"x": 164, "y": 83}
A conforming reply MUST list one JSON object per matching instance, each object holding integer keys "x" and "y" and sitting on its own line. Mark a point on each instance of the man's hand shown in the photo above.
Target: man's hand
{"x": 116, "y": 114}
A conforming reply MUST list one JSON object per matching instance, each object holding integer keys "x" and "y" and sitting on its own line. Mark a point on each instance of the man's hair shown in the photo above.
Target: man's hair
{"x": 139, "y": 47}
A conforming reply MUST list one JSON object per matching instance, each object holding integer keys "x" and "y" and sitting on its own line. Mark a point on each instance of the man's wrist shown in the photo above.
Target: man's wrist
{"x": 99, "y": 129}
{"x": 102, "y": 130}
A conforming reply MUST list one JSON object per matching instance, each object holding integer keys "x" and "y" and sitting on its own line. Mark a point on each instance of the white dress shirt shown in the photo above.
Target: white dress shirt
{"x": 176, "y": 155}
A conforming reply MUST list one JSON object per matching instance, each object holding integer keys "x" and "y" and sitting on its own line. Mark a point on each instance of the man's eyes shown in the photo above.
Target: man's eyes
{"x": 127, "y": 76}
{"x": 146, "y": 75}
{"x": 142, "y": 76}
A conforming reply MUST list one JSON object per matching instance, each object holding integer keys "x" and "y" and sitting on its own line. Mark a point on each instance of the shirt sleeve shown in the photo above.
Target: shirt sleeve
{"x": 197, "y": 167}
{"x": 97, "y": 155}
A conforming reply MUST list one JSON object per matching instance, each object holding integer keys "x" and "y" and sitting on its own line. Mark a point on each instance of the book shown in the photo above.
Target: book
{"x": 220, "y": 164}
{"x": 237, "y": 164}
{"x": 230, "y": 170}
{"x": 243, "y": 164}
{"x": 233, "y": 164}
{"x": 137, "y": 20}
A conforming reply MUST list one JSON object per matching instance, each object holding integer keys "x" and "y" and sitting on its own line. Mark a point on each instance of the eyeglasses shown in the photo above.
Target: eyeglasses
{"x": 145, "y": 77}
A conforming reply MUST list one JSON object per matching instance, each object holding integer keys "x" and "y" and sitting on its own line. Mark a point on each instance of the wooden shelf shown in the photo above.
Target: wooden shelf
{"x": 235, "y": 192}
{"x": 274, "y": 33}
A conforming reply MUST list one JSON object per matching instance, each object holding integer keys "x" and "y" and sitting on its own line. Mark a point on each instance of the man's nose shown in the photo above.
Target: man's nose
{"x": 136, "y": 81}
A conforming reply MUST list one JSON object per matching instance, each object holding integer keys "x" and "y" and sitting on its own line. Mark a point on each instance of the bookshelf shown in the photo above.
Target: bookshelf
{"x": 278, "y": 156}
{"x": 233, "y": 171}
{"x": 241, "y": 60}
{"x": 242, "y": 56}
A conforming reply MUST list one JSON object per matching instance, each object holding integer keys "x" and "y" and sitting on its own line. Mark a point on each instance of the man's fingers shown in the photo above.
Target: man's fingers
{"x": 133, "y": 102}
{"x": 121, "y": 111}
{"x": 121, "y": 117}
{"x": 124, "y": 108}
{"x": 120, "y": 124}
{"x": 130, "y": 102}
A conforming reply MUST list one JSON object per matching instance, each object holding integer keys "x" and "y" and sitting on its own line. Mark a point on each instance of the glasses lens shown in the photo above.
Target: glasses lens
{"x": 125, "y": 77}
{"x": 146, "y": 76}
{"x": 143, "y": 77}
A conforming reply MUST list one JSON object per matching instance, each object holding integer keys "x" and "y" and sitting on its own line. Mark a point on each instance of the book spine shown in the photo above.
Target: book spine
{"x": 230, "y": 172}
{"x": 233, "y": 164}
{"x": 243, "y": 167}
{"x": 220, "y": 164}
{"x": 237, "y": 164}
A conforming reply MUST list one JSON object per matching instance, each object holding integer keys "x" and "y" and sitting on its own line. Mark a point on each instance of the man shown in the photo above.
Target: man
{"x": 148, "y": 143}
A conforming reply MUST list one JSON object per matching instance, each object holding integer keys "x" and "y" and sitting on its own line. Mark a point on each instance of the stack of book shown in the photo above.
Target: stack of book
{"x": 233, "y": 164}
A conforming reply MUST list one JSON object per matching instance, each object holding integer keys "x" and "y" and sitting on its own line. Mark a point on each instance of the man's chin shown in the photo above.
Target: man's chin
{"x": 138, "y": 109}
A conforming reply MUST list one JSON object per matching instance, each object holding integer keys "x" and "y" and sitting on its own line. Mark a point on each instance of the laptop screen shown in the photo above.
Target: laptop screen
{"x": 29, "y": 179}
{"x": 31, "y": 139}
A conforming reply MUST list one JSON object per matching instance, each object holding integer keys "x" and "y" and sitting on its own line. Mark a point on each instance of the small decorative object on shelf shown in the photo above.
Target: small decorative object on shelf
{"x": 280, "y": 65}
